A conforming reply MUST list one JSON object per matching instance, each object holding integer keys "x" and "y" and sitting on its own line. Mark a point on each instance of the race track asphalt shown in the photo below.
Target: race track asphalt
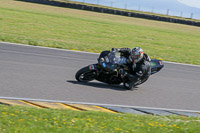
{"x": 43, "y": 73}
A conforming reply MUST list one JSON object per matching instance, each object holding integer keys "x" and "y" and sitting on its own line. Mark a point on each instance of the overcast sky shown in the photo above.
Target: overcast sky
{"x": 193, "y": 3}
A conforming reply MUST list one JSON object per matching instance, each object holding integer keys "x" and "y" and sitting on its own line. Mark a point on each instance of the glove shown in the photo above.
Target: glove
{"x": 125, "y": 50}
{"x": 115, "y": 49}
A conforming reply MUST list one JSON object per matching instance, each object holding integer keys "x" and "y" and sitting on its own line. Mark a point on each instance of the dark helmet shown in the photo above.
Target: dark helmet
{"x": 137, "y": 54}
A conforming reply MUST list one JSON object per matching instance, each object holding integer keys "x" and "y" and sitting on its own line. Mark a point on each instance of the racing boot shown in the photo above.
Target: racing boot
{"x": 133, "y": 78}
{"x": 131, "y": 82}
{"x": 129, "y": 85}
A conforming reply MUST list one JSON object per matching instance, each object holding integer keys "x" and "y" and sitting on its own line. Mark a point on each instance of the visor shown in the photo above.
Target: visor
{"x": 135, "y": 55}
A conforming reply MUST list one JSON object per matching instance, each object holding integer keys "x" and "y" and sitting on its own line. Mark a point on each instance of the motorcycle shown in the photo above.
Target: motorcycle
{"x": 107, "y": 70}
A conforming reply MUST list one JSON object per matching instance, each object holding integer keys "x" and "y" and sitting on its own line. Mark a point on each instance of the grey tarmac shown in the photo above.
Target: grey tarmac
{"x": 46, "y": 73}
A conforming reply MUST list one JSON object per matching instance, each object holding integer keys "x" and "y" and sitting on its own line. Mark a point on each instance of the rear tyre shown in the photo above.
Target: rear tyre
{"x": 85, "y": 75}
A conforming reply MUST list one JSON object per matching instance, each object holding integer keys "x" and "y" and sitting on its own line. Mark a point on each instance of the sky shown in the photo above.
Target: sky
{"x": 192, "y": 3}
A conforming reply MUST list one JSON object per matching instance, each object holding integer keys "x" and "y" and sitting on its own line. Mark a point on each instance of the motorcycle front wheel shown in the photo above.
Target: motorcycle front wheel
{"x": 85, "y": 75}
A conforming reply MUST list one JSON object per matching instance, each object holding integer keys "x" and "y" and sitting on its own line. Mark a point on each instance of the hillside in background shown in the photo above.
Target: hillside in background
{"x": 171, "y": 7}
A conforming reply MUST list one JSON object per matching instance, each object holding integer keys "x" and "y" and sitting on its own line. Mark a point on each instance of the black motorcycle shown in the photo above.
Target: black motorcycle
{"x": 107, "y": 70}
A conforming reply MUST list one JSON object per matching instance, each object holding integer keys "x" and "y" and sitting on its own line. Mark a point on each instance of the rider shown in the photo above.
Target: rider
{"x": 136, "y": 65}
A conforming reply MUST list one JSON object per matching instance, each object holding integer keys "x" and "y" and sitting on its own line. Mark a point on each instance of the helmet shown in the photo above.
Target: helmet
{"x": 137, "y": 54}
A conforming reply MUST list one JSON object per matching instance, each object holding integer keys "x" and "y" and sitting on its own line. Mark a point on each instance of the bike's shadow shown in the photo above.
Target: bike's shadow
{"x": 100, "y": 85}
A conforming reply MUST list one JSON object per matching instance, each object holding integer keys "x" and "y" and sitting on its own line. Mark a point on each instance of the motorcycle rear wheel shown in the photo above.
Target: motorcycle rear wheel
{"x": 85, "y": 75}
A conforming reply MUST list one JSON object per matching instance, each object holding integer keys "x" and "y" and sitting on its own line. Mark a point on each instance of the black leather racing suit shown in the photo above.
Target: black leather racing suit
{"x": 135, "y": 71}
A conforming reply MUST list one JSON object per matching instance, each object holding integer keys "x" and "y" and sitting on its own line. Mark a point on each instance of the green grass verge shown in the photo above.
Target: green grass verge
{"x": 49, "y": 26}
{"x": 16, "y": 119}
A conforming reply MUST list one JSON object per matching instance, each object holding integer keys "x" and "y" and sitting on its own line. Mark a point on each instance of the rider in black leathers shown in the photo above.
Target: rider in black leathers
{"x": 136, "y": 65}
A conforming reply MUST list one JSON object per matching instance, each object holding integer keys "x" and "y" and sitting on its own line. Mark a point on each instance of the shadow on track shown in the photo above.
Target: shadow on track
{"x": 100, "y": 85}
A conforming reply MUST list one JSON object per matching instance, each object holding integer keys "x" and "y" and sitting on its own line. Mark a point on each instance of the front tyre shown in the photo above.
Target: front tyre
{"x": 85, "y": 74}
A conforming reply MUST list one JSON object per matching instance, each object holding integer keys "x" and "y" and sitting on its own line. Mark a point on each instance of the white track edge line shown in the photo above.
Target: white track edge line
{"x": 99, "y": 104}
{"x": 26, "y": 45}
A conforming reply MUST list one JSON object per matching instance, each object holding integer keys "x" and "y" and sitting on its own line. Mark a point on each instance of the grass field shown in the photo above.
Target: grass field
{"x": 36, "y": 24}
{"x": 15, "y": 119}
